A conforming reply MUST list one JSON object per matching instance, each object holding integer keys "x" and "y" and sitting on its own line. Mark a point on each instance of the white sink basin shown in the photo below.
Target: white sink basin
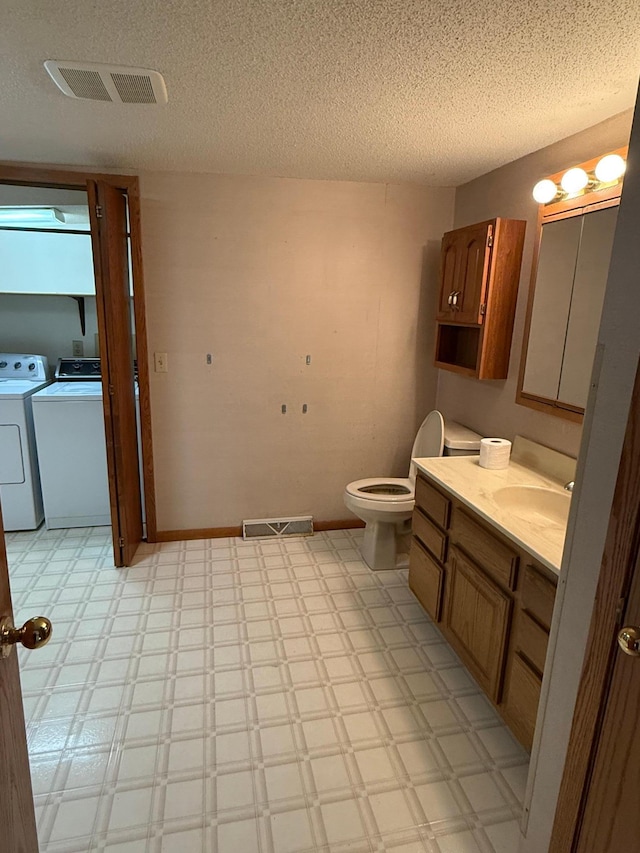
{"x": 535, "y": 503}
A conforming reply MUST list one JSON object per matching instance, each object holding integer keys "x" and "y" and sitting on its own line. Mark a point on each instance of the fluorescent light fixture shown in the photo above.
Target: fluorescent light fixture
{"x": 31, "y": 215}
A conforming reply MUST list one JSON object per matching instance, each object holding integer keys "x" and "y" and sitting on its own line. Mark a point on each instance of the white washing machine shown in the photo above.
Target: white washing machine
{"x": 72, "y": 453}
{"x": 21, "y": 376}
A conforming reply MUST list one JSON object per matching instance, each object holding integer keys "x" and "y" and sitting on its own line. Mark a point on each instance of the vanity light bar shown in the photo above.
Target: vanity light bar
{"x": 609, "y": 170}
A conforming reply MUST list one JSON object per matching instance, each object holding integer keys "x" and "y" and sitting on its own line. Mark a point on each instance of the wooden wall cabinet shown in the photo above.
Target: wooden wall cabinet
{"x": 479, "y": 277}
{"x": 490, "y": 598}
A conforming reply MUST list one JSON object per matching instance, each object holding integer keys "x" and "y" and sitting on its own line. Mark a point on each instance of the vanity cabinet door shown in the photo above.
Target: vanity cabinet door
{"x": 522, "y": 697}
{"x": 478, "y": 617}
{"x": 426, "y": 579}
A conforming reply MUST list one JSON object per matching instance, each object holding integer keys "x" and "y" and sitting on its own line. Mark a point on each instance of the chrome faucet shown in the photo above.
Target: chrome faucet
{"x": 569, "y": 486}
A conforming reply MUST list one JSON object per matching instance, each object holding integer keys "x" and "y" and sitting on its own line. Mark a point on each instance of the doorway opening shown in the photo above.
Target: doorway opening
{"x": 73, "y": 296}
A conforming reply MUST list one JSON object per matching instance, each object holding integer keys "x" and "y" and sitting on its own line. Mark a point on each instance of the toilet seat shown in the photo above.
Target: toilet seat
{"x": 392, "y": 496}
{"x": 382, "y": 489}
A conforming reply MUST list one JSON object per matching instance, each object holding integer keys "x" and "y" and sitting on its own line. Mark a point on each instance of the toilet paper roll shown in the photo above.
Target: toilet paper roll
{"x": 495, "y": 453}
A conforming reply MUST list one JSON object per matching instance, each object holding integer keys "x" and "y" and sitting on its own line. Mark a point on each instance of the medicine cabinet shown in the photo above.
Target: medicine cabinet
{"x": 569, "y": 277}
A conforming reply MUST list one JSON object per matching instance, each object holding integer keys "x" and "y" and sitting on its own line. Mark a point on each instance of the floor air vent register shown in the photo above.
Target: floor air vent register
{"x": 119, "y": 84}
{"x": 270, "y": 528}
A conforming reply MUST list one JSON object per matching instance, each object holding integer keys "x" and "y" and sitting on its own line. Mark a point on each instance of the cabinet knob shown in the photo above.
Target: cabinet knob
{"x": 455, "y": 295}
{"x": 450, "y": 299}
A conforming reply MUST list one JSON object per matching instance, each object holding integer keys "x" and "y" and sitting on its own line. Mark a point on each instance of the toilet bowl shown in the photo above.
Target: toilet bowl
{"x": 385, "y": 504}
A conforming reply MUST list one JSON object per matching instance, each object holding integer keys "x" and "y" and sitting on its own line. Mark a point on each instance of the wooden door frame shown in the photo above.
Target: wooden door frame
{"x": 620, "y": 559}
{"x": 71, "y": 179}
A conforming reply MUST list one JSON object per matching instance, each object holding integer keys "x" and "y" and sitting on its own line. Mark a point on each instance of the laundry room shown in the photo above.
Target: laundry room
{"x": 53, "y": 458}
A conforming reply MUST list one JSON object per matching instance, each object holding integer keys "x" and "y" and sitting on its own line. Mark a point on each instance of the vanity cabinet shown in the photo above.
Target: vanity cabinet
{"x": 479, "y": 276}
{"x": 491, "y": 599}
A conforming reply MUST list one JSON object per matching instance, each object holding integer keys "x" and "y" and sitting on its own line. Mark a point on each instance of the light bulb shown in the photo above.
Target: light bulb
{"x": 610, "y": 168}
{"x": 544, "y": 191}
{"x": 574, "y": 180}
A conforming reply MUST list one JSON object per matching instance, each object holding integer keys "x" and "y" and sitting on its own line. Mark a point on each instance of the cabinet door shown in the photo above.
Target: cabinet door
{"x": 46, "y": 262}
{"x": 449, "y": 274}
{"x": 587, "y": 297}
{"x": 474, "y": 253}
{"x": 426, "y": 579}
{"x": 559, "y": 244}
{"x": 478, "y": 621}
{"x": 522, "y": 696}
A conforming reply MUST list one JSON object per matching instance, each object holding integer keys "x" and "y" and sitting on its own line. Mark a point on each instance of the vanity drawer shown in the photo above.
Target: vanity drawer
{"x": 531, "y": 641}
{"x": 497, "y": 560}
{"x": 521, "y": 699}
{"x": 538, "y": 596}
{"x": 429, "y": 534}
{"x": 432, "y": 502}
{"x": 426, "y": 579}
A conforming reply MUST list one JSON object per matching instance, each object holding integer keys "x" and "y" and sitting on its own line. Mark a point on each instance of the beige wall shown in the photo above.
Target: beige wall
{"x": 260, "y": 272}
{"x": 489, "y": 407}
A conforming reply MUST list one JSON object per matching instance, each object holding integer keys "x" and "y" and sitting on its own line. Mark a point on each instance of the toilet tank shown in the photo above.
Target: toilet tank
{"x": 459, "y": 440}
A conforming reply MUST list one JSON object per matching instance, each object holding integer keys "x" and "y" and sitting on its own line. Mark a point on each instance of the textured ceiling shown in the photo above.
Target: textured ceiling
{"x": 431, "y": 91}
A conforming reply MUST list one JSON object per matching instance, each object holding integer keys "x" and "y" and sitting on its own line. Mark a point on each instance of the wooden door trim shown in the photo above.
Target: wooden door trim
{"x": 621, "y": 552}
{"x": 48, "y": 176}
{"x": 31, "y": 174}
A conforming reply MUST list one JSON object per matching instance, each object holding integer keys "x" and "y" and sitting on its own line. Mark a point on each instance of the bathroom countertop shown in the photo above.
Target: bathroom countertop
{"x": 475, "y": 486}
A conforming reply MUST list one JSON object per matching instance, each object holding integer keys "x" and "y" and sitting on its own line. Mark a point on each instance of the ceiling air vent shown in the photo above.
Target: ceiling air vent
{"x": 117, "y": 83}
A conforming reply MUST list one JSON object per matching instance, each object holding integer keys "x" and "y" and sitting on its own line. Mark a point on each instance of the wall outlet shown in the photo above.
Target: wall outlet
{"x": 161, "y": 362}
{"x": 77, "y": 349}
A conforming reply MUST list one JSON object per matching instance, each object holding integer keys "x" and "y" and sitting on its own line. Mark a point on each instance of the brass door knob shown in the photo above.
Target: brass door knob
{"x": 34, "y": 634}
{"x": 629, "y": 640}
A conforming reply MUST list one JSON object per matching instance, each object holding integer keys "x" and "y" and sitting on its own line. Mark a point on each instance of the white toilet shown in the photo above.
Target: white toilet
{"x": 386, "y": 504}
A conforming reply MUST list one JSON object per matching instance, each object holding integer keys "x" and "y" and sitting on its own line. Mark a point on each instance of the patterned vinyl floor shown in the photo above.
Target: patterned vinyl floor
{"x": 230, "y": 697}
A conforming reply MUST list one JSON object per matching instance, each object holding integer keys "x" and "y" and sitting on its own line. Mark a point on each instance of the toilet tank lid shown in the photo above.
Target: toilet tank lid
{"x": 459, "y": 437}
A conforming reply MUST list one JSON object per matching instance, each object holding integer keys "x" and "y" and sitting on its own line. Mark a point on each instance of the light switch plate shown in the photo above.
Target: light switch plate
{"x": 161, "y": 362}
